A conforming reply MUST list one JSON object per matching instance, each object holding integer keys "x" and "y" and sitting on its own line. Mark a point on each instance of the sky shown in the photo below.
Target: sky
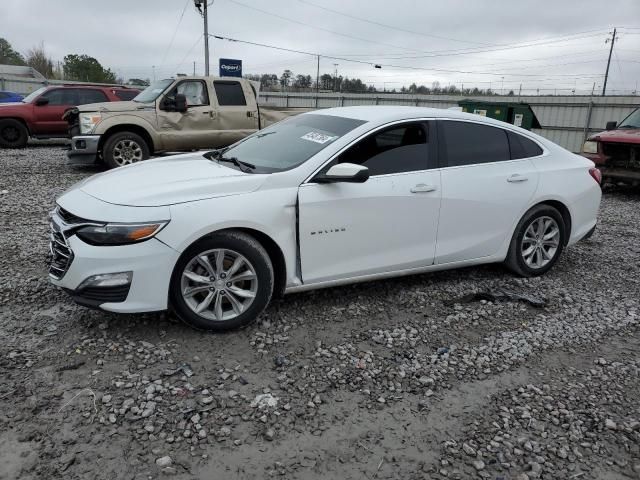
{"x": 546, "y": 46}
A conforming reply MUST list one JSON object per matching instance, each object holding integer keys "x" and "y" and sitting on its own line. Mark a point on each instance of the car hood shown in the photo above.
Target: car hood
{"x": 123, "y": 106}
{"x": 170, "y": 180}
{"x": 623, "y": 135}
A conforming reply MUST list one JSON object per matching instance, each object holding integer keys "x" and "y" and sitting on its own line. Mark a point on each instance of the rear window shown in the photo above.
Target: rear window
{"x": 229, "y": 93}
{"x": 126, "y": 94}
{"x": 522, "y": 147}
{"x": 473, "y": 143}
{"x": 291, "y": 142}
{"x": 90, "y": 96}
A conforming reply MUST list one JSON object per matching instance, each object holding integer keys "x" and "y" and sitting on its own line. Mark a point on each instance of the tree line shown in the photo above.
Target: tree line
{"x": 288, "y": 82}
{"x": 76, "y": 67}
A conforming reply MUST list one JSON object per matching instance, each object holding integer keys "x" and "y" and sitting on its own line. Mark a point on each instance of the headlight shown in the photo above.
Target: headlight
{"x": 119, "y": 233}
{"x": 590, "y": 146}
{"x": 88, "y": 121}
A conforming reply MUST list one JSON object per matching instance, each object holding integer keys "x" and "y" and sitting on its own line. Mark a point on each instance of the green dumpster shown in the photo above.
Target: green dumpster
{"x": 518, "y": 114}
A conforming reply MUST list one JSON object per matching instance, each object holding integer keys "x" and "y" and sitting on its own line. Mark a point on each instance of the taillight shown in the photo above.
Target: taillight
{"x": 596, "y": 174}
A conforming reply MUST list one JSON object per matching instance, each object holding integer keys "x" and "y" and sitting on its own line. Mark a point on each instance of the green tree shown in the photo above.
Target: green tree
{"x": 86, "y": 69}
{"x": 285, "y": 78}
{"x": 8, "y": 56}
{"x": 38, "y": 60}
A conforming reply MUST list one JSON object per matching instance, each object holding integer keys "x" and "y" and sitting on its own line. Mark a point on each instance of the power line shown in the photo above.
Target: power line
{"x": 379, "y": 24}
{"x": 190, "y": 50}
{"x": 184, "y": 9}
{"x": 362, "y": 62}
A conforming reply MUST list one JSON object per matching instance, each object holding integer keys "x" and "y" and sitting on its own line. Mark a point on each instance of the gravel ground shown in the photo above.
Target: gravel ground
{"x": 406, "y": 378}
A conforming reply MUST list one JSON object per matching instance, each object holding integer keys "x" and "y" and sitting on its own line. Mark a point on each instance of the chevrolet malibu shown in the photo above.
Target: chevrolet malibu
{"x": 321, "y": 199}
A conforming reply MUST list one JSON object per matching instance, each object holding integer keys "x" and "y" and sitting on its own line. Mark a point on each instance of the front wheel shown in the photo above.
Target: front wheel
{"x": 124, "y": 148}
{"x": 13, "y": 134}
{"x": 537, "y": 242}
{"x": 223, "y": 281}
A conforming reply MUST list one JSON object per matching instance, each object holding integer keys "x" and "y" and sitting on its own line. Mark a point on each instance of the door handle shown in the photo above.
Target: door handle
{"x": 423, "y": 188}
{"x": 516, "y": 178}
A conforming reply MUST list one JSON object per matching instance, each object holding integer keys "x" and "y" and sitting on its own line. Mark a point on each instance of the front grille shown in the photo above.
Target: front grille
{"x": 622, "y": 155}
{"x": 69, "y": 217}
{"x": 61, "y": 253}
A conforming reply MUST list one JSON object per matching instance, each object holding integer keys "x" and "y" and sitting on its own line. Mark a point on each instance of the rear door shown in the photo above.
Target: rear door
{"x": 236, "y": 113}
{"x": 385, "y": 224}
{"x": 485, "y": 190}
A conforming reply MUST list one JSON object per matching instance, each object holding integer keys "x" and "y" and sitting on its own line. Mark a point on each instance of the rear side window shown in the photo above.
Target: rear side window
{"x": 401, "y": 148}
{"x": 522, "y": 147}
{"x": 126, "y": 94}
{"x": 473, "y": 143}
{"x": 229, "y": 93}
{"x": 90, "y": 96}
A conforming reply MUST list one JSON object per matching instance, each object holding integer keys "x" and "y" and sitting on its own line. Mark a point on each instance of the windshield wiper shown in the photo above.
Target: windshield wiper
{"x": 628, "y": 126}
{"x": 215, "y": 154}
{"x": 260, "y": 135}
{"x": 245, "y": 167}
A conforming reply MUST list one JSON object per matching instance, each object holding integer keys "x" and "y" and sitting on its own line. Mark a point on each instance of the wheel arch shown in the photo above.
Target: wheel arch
{"x": 127, "y": 127}
{"x": 276, "y": 255}
{"x": 19, "y": 120}
{"x": 564, "y": 211}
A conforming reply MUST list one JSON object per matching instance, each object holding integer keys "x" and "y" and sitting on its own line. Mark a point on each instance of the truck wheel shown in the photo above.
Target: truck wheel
{"x": 13, "y": 134}
{"x": 124, "y": 148}
{"x": 221, "y": 282}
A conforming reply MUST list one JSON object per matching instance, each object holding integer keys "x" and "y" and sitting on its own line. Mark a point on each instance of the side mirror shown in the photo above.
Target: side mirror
{"x": 180, "y": 103}
{"x": 42, "y": 101}
{"x": 344, "y": 172}
{"x": 611, "y": 125}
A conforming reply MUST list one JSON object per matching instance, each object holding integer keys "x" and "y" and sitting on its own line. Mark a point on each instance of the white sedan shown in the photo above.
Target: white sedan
{"x": 321, "y": 199}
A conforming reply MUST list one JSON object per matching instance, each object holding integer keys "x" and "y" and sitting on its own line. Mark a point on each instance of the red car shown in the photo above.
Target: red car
{"x": 616, "y": 151}
{"x": 39, "y": 114}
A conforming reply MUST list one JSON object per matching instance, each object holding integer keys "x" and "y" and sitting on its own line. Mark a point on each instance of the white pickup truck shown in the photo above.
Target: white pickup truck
{"x": 178, "y": 114}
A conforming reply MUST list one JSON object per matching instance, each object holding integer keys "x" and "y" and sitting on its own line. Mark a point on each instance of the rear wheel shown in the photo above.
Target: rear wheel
{"x": 13, "y": 134}
{"x": 124, "y": 148}
{"x": 223, "y": 281}
{"x": 537, "y": 242}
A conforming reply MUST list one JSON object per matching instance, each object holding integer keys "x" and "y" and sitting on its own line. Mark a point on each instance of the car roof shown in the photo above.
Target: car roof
{"x": 389, "y": 113}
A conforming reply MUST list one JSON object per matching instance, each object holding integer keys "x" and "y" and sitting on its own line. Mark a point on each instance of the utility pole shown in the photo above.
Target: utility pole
{"x": 606, "y": 75}
{"x": 318, "y": 77}
{"x": 335, "y": 77}
{"x": 194, "y": 68}
{"x": 202, "y": 7}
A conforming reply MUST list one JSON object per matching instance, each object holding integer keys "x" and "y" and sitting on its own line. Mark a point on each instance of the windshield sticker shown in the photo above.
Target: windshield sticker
{"x": 317, "y": 137}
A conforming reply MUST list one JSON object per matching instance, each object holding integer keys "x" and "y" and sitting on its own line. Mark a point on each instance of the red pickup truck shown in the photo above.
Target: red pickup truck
{"x": 616, "y": 151}
{"x": 39, "y": 114}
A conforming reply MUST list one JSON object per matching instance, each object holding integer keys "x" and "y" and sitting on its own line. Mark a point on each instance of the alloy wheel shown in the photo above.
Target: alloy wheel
{"x": 540, "y": 242}
{"x": 219, "y": 284}
{"x": 127, "y": 151}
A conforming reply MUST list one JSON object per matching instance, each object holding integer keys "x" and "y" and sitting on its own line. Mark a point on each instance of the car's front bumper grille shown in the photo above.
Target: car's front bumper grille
{"x": 61, "y": 255}
{"x": 96, "y": 296}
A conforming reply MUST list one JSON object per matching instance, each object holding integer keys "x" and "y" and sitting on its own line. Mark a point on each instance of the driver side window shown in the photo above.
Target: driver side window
{"x": 397, "y": 149}
{"x": 194, "y": 90}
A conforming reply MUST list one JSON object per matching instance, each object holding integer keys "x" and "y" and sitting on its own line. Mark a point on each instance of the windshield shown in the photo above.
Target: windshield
{"x": 632, "y": 121}
{"x": 29, "y": 98}
{"x": 153, "y": 91}
{"x": 291, "y": 142}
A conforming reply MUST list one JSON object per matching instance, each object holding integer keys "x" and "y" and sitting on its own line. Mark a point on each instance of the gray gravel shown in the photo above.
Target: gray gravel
{"x": 390, "y": 379}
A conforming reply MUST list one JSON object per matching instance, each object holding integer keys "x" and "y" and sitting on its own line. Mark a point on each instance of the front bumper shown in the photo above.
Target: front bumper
{"x": 151, "y": 263}
{"x": 84, "y": 150}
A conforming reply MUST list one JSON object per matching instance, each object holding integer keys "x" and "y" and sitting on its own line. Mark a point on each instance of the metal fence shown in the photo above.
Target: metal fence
{"x": 565, "y": 120}
{"x": 25, "y": 86}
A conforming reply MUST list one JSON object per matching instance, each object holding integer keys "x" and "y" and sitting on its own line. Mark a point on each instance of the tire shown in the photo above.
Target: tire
{"x": 545, "y": 253}
{"x": 211, "y": 287}
{"x": 124, "y": 148}
{"x": 13, "y": 134}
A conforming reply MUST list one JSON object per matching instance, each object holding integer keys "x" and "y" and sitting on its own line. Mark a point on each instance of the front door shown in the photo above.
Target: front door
{"x": 191, "y": 129}
{"x": 48, "y": 118}
{"x": 385, "y": 224}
